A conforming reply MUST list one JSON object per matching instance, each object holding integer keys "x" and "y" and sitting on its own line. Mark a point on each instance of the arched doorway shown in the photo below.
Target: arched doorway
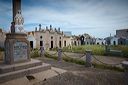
{"x": 65, "y": 43}
{"x": 31, "y": 44}
{"x": 114, "y": 42}
{"x": 51, "y": 44}
{"x": 60, "y": 44}
{"x": 41, "y": 43}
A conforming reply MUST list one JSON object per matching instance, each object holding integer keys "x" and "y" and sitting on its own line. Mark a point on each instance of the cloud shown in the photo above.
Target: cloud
{"x": 78, "y": 16}
{"x": 5, "y": 14}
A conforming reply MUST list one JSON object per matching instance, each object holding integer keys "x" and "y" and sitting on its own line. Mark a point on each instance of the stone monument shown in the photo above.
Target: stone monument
{"x": 17, "y": 61}
{"x": 16, "y": 44}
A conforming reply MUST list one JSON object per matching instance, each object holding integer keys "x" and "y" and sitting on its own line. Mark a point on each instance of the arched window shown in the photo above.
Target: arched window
{"x": 40, "y": 37}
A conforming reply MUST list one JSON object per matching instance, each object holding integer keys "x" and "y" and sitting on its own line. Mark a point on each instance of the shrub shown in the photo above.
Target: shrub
{"x": 35, "y": 53}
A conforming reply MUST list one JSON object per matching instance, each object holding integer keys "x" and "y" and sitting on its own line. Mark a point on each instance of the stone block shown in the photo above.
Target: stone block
{"x": 23, "y": 72}
{"x": 14, "y": 67}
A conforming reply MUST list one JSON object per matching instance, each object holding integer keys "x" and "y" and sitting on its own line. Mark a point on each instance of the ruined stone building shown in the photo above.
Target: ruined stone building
{"x": 49, "y": 38}
{"x": 121, "y": 37}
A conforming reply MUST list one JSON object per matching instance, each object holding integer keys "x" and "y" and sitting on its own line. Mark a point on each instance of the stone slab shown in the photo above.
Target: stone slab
{"x": 125, "y": 65}
{"x": 39, "y": 77}
{"x": 4, "y": 68}
{"x": 24, "y": 72}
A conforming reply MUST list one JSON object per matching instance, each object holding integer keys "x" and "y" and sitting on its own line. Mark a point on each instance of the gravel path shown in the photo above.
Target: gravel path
{"x": 79, "y": 75}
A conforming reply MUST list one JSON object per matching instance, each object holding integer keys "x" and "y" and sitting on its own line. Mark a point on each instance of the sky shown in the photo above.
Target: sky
{"x": 98, "y": 18}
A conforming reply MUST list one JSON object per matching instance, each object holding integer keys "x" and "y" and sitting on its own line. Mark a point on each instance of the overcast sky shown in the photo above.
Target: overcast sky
{"x": 98, "y": 18}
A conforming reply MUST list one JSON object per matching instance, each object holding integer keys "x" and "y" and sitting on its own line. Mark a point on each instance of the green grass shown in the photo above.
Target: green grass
{"x": 97, "y": 49}
{"x": 123, "y": 48}
{"x": 102, "y": 66}
{"x": 34, "y": 53}
{"x": 50, "y": 56}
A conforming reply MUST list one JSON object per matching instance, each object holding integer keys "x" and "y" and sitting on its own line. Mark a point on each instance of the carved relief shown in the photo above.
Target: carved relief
{"x": 19, "y": 20}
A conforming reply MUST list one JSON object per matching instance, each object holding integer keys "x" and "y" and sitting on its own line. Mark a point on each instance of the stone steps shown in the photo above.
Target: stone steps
{"x": 18, "y": 66}
{"x": 23, "y": 72}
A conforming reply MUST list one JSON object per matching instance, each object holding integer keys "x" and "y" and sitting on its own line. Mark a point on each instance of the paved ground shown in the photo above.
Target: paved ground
{"x": 79, "y": 75}
{"x": 37, "y": 77}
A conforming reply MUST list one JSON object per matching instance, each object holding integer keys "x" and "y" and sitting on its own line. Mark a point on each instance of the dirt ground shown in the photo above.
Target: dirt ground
{"x": 81, "y": 75}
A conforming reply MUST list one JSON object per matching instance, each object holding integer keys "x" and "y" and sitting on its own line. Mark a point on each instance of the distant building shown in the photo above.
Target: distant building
{"x": 114, "y": 41}
{"x": 100, "y": 41}
{"x": 82, "y": 40}
{"x": 121, "y": 38}
{"x": 75, "y": 40}
{"x": 86, "y": 39}
{"x": 122, "y": 33}
{"x": 49, "y": 38}
{"x": 2, "y": 38}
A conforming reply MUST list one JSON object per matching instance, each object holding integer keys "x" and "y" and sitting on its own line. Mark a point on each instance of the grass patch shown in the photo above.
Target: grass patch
{"x": 123, "y": 48}
{"x": 50, "y": 56}
{"x": 73, "y": 60}
{"x": 102, "y": 66}
{"x": 34, "y": 53}
{"x": 98, "y": 49}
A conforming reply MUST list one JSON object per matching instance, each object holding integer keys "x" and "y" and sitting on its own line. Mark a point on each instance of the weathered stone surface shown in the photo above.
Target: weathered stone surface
{"x": 20, "y": 73}
{"x": 125, "y": 65}
{"x": 17, "y": 48}
{"x": 4, "y": 68}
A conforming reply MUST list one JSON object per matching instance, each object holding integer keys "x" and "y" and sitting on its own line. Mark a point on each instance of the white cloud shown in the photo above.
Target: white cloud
{"x": 74, "y": 15}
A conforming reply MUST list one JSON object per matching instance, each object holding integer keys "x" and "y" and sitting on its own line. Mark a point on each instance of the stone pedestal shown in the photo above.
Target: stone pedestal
{"x": 17, "y": 48}
{"x": 88, "y": 58}
{"x": 125, "y": 65}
